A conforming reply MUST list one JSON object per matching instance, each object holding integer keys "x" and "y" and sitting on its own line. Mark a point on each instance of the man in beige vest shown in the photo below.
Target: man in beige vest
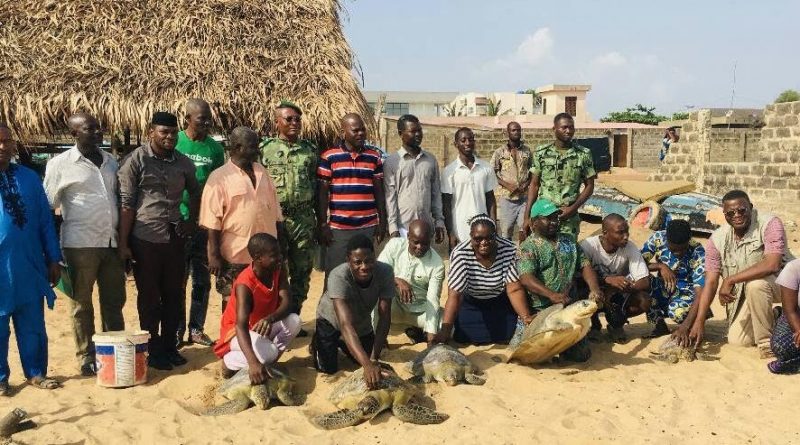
{"x": 747, "y": 253}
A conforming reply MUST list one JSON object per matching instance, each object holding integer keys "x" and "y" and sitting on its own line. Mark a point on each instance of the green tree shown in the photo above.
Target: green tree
{"x": 680, "y": 115}
{"x": 638, "y": 113}
{"x": 788, "y": 96}
{"x": 492, "y": 107}
{"x": 537, "y": 98}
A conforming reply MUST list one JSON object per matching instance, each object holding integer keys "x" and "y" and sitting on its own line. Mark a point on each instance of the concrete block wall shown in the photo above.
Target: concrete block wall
{"x": 644, "y": 145}
{"x": 771, "y": 173}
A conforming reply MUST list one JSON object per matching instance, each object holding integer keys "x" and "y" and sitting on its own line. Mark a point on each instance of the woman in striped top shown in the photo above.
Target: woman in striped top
{"x": 482, "y": 283}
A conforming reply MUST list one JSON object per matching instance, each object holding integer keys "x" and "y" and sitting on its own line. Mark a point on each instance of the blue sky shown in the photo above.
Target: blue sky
{"x": 669, "y": 55}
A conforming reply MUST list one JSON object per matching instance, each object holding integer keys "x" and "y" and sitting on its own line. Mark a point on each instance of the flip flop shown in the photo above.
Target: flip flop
{"x": 44, "y": 383}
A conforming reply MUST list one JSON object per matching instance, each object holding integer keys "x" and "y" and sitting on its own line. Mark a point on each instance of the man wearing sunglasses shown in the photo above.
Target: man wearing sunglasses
{"x": 747, "y": 253}
{"x": 292, "y": 163}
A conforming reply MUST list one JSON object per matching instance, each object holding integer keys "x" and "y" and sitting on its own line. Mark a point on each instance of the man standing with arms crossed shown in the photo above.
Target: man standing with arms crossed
{"x": 292, "y": 163}
{"x": 511, "y": 163}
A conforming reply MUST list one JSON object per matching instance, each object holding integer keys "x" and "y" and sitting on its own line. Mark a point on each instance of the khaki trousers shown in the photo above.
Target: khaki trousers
{"x": 752, "y": 325}
{"x": 87, "y": 266}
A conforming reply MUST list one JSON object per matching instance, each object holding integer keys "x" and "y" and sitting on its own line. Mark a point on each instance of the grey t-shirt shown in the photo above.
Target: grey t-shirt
{"x": 361, "y": 300}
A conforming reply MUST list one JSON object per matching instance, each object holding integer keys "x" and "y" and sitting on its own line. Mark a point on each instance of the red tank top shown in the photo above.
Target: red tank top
{"x": 265, "y": 302}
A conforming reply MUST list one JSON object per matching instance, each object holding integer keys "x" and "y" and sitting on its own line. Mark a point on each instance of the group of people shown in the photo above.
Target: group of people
{"x": 175, "y": 207}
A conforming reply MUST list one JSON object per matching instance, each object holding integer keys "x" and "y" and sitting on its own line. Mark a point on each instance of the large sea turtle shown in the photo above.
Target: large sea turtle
{"x": 671, "y": 351}
{"x": 240, "y": 393}
{"x": 553, "y": 331}
{"x": 444, "y": 363}
{"x": 358, "y": 403}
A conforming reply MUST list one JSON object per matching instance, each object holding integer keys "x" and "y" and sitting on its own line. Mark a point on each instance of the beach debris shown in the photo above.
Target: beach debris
{"x": 446, "y": 364}
{"x": 358, "y": 403}
{"x": 14, "y": 422}
{"x": 671, "y": 351}
{"x": 553, "y": 331}
{"x": 241, "y": 394}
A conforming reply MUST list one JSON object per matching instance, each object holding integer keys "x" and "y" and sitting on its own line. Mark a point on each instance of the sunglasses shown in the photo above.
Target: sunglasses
{"x": 292, "y": 119}
{"x": 483, "y": 239}
{"x": 741, "y": 211}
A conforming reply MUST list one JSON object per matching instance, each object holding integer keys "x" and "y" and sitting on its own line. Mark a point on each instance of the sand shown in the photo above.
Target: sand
{"x": 620, "y": 394}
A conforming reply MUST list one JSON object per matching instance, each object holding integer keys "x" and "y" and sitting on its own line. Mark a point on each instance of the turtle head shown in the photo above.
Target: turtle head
{"x": 450, "y": 376}
{"x": 582, "y": 309}
{"x": 259, "y": 394}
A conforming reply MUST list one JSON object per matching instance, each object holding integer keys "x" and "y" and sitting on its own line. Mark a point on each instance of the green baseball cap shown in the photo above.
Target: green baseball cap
{"x": 290, "y": 104}
{"x": 543, "y": 207}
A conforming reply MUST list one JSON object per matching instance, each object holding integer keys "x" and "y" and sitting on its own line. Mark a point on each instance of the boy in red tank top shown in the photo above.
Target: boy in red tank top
{"x": 257, "y": 326}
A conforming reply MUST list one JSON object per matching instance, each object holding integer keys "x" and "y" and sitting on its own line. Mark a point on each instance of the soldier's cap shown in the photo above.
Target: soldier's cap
{"x": 289, "y": 104}
{"x": 543, "y": 207}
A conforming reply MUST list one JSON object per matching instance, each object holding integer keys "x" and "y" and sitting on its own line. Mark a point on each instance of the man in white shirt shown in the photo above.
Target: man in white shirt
{"x": 624, "y": 276}
{"x": 468, "y": 185}
{"x": 82, "y": 182}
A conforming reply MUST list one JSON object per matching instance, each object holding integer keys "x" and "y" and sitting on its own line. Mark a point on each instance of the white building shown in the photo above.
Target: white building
{"x": 420, "y": 104}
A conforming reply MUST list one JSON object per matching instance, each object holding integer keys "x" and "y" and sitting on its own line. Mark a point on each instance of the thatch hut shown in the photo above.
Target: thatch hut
{"x": 123, "y": 60}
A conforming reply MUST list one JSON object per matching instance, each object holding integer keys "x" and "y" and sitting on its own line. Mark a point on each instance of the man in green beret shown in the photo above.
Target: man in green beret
{"x": 292, "y": 163}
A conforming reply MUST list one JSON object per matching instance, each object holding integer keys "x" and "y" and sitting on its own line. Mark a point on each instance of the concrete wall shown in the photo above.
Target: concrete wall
{"x": 438, "y": 139}
{"x": 644, "y": 145}
{"x": 765, "y": 163}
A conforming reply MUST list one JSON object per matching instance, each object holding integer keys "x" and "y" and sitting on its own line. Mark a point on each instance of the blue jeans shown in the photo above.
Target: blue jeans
{"x": 31, "y": 340}
{"x": 197, "y": 267}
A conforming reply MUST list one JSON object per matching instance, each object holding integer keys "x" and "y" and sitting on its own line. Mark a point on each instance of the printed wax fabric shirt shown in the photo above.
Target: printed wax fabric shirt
{"x": 292, "y": 168}
{"x": 233, "y": 206}
{"x": 689, "y": 269}
{"x": 87, "y": 197}
{"x": 626, "y": 261}
{"x": 425, "y": 276}
{"x": 25, "y": 251}
{"x": 562, "y": 172}
{"x": 352, "y": 193}
{"x": 468, "y": 187}
{"x": 413, "y": 189}
{"x": 515, "y": 170}
{"x": 553, "y": 263}
{"x": 207, "y": 155}
{"x": 360, "y": 300}
{"x": 153, "y": 187}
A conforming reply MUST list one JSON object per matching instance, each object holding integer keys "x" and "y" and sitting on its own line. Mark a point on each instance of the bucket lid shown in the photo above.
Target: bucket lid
{"x": 118, "y": 336}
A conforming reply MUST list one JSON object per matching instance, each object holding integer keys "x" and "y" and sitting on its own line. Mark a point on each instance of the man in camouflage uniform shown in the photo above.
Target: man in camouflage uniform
{"x": 292, "y": 163}
{"x": 557, "y": 172}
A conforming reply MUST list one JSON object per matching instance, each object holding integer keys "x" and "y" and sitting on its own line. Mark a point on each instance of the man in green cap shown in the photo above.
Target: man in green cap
{"x": 292, "y": 163}
{"x": 557, "y": 173}
{"x": 548, "y": 263}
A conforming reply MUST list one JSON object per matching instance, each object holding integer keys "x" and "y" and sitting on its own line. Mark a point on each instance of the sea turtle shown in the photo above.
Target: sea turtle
{"x": 358, "y": 403}
{"x": 444, "y": 363}
{"x": 671, "y": 351}
{"x": 240, "y": 393}
{"x": 553, "y": 331}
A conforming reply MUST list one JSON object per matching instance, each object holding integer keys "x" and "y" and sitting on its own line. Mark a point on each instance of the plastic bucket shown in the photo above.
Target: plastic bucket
{"x": 121, "y": 358}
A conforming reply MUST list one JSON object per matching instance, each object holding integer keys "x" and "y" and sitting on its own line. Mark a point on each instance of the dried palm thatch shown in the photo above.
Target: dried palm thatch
{"x": 123, "y": 60}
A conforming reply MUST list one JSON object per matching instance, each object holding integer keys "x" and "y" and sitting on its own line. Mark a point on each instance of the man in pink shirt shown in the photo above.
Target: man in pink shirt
{"x": 239, "y": 200}
{"x": 747, "y": 253}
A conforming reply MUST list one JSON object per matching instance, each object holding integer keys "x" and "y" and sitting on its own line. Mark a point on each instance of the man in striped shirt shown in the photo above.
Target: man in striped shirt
{"x": 350, "y": 192}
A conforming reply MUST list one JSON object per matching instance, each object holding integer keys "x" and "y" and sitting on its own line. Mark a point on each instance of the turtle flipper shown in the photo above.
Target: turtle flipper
{"x": 418, "y": 414}
{"x": 337, "y": 419}
{"x": 230, "y": 407}
{"x": 474, "y": 379}
{"x": 289, "y": 398}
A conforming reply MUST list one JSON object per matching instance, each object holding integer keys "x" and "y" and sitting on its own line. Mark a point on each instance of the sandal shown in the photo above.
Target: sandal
{"x": 44, "y": 382}
{"x": 5, "y": 389}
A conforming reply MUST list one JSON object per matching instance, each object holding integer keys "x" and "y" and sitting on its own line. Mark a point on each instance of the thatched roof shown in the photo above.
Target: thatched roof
{"x": 123, "y": 60}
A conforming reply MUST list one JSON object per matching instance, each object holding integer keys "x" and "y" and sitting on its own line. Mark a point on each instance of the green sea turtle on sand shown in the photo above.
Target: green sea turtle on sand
{"x": 241, "y": 394}
{"x": 444, "y": 363}
{"x": 671, "y": 351}
{"x": 358, "y": 403}
{"x": 553, "y": 331}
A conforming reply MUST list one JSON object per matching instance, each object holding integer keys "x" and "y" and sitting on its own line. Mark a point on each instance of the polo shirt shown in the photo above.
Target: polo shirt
{"x": 352, "y": 194}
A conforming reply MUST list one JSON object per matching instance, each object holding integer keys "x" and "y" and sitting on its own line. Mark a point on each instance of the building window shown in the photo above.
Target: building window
{"x": 396, "y": 108}
{"x": 544, "y": 106}
{"x": 371, "y": 107}
{"x": 571, "y": 105}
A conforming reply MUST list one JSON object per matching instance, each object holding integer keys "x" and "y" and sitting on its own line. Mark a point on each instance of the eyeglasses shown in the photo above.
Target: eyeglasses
{"x": 292, "y": 119}
{"x": 483, "y": 239}
{"x": 741, "y": 211}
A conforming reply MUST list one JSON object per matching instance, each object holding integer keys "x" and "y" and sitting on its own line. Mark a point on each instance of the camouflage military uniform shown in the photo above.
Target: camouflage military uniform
{"x": 293, "y": 168}
{"x": 561, "y": 173}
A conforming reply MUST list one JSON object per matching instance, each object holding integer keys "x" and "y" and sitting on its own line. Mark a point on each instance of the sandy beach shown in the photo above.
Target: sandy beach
{"x": 620, "y": 394}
